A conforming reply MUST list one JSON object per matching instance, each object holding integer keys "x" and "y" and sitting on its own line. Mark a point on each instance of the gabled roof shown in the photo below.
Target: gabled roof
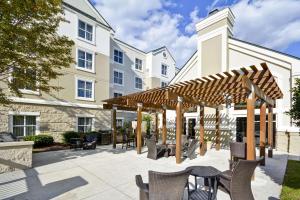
{"x": 95, "y": 16}
{"x": 160, "y": 49}
{"x": 259, "y": 46}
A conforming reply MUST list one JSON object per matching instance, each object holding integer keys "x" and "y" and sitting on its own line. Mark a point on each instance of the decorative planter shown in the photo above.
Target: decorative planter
{"x": 208, "y": 144}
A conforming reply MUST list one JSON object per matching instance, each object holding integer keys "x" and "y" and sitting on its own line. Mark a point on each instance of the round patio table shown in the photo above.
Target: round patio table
{"x": 210, "y": 175}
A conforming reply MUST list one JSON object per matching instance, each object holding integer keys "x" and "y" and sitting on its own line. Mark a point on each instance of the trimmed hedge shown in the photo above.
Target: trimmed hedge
{"x": 40, "y": 140}
{"x": 70, "y": 134}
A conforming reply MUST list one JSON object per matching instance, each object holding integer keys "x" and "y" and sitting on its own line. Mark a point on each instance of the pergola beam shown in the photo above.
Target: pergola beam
{"x": 251, "y": 87}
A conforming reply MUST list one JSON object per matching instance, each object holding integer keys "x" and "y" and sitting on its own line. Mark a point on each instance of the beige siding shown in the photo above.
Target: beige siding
{"x": 211, "y": 56}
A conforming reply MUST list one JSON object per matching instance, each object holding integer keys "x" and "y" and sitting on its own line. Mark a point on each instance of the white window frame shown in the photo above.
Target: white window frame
{"x": 161, "y": 82}
{"x": 135, "y": 83}
{"x": 76, "y": 88}
{"x": 142, "y": 66}
{"x": 13, "y": 113}
{"x": 120, "y": 118}
{"x": 93, "y": 60}
{"x": 118, "y": 93}
{"x": 24, "y": 91}
{"x": 165, "y": 75}
{"x": 123, "y": 77}
{"x": 85, "y": 116}
{"x": 84, "y": 39}
{"x": 113, "y": 54}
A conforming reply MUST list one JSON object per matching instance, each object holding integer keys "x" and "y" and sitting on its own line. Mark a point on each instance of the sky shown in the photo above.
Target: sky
{"x": 150, "y": 24}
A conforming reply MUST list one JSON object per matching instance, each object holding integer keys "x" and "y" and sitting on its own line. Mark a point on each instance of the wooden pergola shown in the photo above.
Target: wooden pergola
{"x": 246, "y": 85}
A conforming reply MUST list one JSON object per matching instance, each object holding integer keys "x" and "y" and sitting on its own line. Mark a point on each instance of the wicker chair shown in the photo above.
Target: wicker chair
{"x": 237, "y": 152}
{"x": 90, "y": 142}
{"x": 154, "y": 151}
{"x": 237, "y": 183}
{"x": 189, "y": 152}
{"x": 163, "y": 186}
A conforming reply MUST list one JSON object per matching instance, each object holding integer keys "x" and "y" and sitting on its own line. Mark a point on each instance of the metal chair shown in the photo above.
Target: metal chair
{"x": 90, "y": 142}
{"x": 163, "y": 186}
{"x": 237, "y": 183}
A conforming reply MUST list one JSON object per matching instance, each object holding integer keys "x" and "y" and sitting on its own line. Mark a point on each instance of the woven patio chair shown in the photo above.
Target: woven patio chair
{"x": 189, "y": 152}
{"x": 90, "y": 142}
{"x": 237, "y": 182}
{"x": 154, "y": 151}
{"x": 237, "y": 152}
{"x": 163, "y": 186}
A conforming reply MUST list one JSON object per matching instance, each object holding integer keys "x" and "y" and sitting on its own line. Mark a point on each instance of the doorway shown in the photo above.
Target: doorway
{"x": 191, "y": 128}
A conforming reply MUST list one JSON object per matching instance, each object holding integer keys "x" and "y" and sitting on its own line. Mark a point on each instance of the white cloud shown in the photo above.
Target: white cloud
{"x": 148, "y": 25}
{"x": 274, "y": 24}
{"x": 194, "y": 15}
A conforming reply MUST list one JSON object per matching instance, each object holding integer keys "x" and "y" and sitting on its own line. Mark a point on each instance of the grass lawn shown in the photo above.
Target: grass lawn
{"x": 291, "y": 183}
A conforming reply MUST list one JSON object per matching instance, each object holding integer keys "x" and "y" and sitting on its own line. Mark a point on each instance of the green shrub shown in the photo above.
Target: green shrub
{"x": 40, "y": 140}
{"x": 70, "y": 134}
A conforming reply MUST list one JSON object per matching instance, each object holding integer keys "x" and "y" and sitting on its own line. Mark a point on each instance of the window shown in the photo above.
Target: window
{"x": 164, "y": 84}
{"x": 138, "y": 83}
{"x": 84, "y": 124}
{"x": 116, "y": 94}
{"x": 138, "y": 64}
{"x": 29, "y": 85}
{"x": 118, "y": 56}
{"x": 119, "y": 122}
{"x": 24, "y": 125}
{"x": 85, "y": 60}
{"x": 164, "y": 69}
{"x": 85, "y": 89}
{"x": 118, "y": 77}
{"x": 85, "y": 30}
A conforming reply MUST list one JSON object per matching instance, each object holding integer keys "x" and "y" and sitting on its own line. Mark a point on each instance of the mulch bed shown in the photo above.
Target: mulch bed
{"x": 54, "y": 147}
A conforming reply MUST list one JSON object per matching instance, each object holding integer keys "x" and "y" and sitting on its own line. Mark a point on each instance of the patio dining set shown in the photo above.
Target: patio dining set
{"x": 171, "y": 186}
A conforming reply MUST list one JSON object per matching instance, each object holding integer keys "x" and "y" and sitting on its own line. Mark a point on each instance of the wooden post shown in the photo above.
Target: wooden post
{"x": 262, "y": 132}
{"x": 114, "y": 126}
{"x": 270, "y": 131}
{"x": 156, "y": 126}
{"x": 250, "y": 128}
{"x": 164, "y": 126}
{"x": 218, "y": 145}
{"x": 178, "y": 129}
{"x": 201, "y": 131}
{"x": 139, "y": 128}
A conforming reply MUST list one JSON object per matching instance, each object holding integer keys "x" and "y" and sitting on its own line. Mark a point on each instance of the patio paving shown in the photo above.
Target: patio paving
{"x": 110, "y": 174}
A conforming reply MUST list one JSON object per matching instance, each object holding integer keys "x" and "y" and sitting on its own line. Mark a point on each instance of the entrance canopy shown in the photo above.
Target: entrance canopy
{"x": 210, "y": 91}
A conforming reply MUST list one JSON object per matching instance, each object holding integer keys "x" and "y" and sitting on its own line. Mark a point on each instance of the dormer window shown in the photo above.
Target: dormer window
{"x": 85, "y": 30}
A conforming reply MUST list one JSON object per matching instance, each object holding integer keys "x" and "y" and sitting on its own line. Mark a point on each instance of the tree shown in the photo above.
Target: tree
{"x": 32, "y": 52}
{"x": 295, "y": 109}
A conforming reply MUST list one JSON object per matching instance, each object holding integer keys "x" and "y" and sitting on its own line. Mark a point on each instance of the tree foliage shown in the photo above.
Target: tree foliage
{"x": 32, "y": 52}
{"x": 295, "y": 109}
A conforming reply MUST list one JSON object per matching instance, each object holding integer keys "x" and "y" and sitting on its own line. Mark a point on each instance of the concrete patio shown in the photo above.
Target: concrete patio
{"x": 110, "y": 174}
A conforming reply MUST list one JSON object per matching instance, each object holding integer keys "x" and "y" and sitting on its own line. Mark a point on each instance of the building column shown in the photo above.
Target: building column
{"x": 218, "y": 145}
{"x": 201, "y": 131}
{"x": 139, "y": 128}
{"x": 270, "y": 131}
{"x": 262, "y": 132}
{"x": 164, "y": 126}
{"x": 250, "y": 127}
{"x": 114, "y": 126}
{"x": 178, "y": 129}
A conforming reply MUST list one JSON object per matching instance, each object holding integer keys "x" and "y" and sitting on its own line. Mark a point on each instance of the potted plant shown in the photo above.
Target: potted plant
{"x": 208, "y": 143}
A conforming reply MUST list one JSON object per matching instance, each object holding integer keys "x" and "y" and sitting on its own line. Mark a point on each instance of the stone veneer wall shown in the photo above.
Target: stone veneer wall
{"x": 288, "y": 142}
{"x": 15, "y": 155}
{"x": 54, "y": 120}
